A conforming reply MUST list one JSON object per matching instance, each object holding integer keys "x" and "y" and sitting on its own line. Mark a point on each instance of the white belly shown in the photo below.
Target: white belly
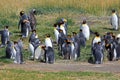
{"x": 86, "y": 31}
{"x": 56, "y": 35}
{"x": 31, "y": 49}
{"x": 48, "y": 42}
{"x": 115, "y": 21}
{"x": 39, "y": 53}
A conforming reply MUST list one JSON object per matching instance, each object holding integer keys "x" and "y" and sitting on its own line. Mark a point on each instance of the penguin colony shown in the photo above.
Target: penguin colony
{"x": 69, "y": 46}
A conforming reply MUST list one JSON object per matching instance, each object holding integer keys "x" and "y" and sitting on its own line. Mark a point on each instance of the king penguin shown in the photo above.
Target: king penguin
{"x": 85, "y": 29}
{"x": 65, "y": 25}
{"x": 32, "y": 19}
{"x": 49, "y": 55}
{"x": 114, "y": 20}
{"x": 48, "y": 41}
{"x": 62, "y": 27}
{"x": 18, "y": 53}
{"x": 4, "y": 36}
{"x": 25, "y": 24}
{"x": 56, "y": 32}
{"x": 98, "y": 53}
{"x": 96, "y": 39}
{"x": 9, "y": 49}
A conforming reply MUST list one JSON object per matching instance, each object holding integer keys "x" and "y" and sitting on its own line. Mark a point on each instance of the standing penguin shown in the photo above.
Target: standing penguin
{"x": 61, "y": 40}
{"x": 25, "y": 24}
{"x": 82, "y": 39}
{"x": 4, "y": 36}
{"x": 32, "y": 19}
{"x": 62, "y": 27}
{"x": 74, "y": 47}
{"x": 48, "y": 41}
{"x": 76, "y": 43}
{"x": 85, "y": 29}
{"x": 66, "y": 49}
{"x": 65, "y": 25}
{"x": 49, "y": 55}
{"x": 96, "y": 39}
{"x": 9, "y": 50}
{"x": 73, "y": 54}
{"x": 18, "y": 55}
{"x": 32, "y": 36}
{"x": 20, "y": 45}
{"x": 33, "y": 46}
{"x": 118, "y": 48}
{"x": 56, "y": 32}
{"x": 98, "y": 53}
{"x": 114, "y": 20}
{"x": 40, "y": 52}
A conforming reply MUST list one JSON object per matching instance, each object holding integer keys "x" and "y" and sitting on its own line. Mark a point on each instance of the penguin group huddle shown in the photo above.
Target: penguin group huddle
{"x": 109, "y": 43}
{"x": 39, "y": 51}
{"x": 69, "y": 46}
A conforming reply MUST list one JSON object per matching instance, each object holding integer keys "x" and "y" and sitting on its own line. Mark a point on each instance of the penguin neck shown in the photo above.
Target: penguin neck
{"x": 97, "y": 37}
{"x": 6, "y": 29}
{"x": 61, "y": 26}
{"x": 55, "y": 28}
{"x": 113, "y": 13}
{"x": 47, "y": 38}
{"x": 84, "y": 24}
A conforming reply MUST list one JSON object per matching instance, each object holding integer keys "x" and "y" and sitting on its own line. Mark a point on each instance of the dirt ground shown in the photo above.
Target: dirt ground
{"x": 65, "y": 65}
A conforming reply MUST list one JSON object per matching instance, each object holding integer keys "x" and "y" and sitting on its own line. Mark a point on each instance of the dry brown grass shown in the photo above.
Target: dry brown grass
{"x": 9, "y": 6}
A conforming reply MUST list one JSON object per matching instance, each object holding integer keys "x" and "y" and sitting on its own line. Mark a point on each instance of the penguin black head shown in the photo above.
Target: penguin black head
{"x": 34, "y": 31}
{"x": 55, "y": 25}
{"x": 48, "y": 35}
{"x": 68, "y": 41}
{"x": 6, "y": 27}
{"x": 84, "y": 22}
{"x": 34, "y": 11}
{"x": 74, "y": 33}
{"x": 8, "y": 42}
{"x": 15, "y": 42}
{"x": 97, "y": 34}
{"x": 21, "y": 13}
{"x": 43, "y": 47}
{"x": 113, "y": 10}
{"x": 80, "y": 30}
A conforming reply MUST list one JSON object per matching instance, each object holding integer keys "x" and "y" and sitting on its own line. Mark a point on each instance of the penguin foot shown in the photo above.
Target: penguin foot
{"x": 2, "y": 45}
{"x": 15, "y": 62}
